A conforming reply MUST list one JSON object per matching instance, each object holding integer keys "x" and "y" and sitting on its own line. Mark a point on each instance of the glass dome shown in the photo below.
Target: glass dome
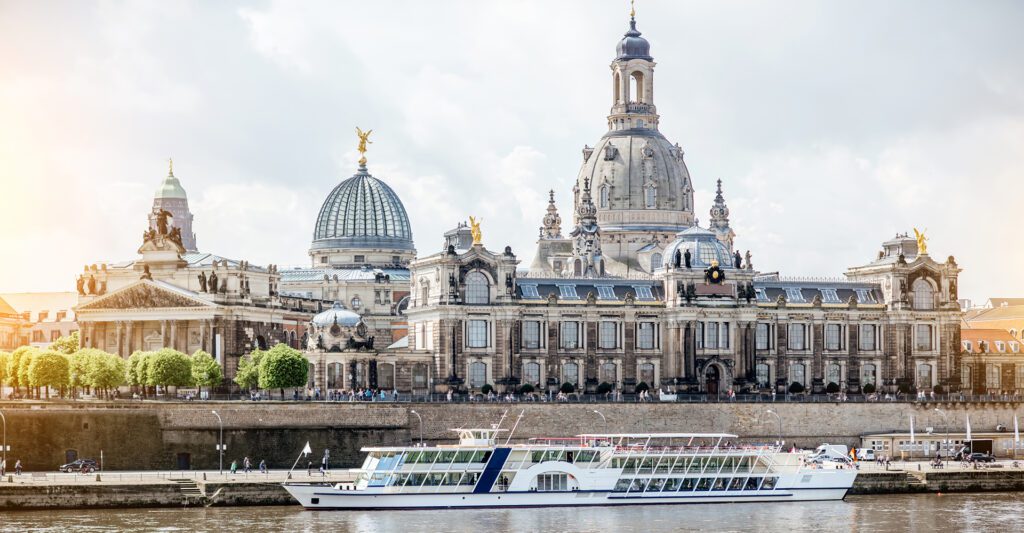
{"x": 704, "y": 248}
{"x": 362, "y": 212}
{"x": 337, "y": 314}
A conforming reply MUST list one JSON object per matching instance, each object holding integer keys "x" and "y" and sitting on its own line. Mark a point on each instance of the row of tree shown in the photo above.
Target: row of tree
{"x": 66, "y": 367}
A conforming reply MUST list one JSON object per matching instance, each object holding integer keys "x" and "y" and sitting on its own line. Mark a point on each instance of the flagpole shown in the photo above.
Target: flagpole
{"x": 303, "y": 452}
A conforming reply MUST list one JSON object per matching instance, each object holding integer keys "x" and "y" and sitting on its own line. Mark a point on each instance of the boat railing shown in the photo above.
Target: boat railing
{"x": 696, "y": 449}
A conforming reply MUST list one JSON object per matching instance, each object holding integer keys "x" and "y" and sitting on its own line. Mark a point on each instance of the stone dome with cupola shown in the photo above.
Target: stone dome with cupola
{"x": 338, "y": 329}
{"x": 640, "y": 184}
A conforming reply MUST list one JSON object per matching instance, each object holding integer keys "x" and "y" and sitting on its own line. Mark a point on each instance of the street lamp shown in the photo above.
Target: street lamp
{"x": 421, "y": 425}
{"x": 603, "y": 419}
{"x": 946, "y": 418}
{"x": 776, "y": 415}
{"x": 4, "y": 418}
{"x": 220, "y": 445}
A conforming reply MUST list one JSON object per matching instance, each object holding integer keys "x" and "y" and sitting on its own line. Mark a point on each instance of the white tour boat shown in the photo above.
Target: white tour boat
{"x": 591, "y": 469}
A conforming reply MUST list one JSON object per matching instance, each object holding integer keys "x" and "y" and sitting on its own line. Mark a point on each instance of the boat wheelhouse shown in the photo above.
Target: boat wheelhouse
{"x": 589, "y": 469}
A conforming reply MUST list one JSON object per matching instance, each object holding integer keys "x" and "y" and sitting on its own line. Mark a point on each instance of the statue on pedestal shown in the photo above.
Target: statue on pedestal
{"x": 202, "y": 282}
{"x": 146, "y": 274}
{"x": 738, "y": 260}
{"x": 687, "y": 257}
{"x": 92, "y": 285}
{"x": 161, "y": 220}
{"x": 80, "y": 285}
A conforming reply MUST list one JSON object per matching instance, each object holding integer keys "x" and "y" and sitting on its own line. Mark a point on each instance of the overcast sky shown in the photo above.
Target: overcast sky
{"x": 833, "y": 125}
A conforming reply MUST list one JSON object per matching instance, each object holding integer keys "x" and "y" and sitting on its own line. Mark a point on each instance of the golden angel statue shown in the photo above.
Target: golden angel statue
{"x": 922, "y": 242}
{"x": 475, "y": 230}
{"x": 364, "y": 139}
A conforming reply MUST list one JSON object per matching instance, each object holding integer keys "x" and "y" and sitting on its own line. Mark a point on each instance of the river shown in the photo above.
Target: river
{"x": 875, "y": 514}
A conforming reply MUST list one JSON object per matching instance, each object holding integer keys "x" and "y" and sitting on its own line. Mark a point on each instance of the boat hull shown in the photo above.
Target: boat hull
{"x": 322, "y": 497}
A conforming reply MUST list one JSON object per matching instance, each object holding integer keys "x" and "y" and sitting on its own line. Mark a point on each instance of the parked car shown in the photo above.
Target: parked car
{"x": 979, "y": 457}
{"x": 81, "y": 465}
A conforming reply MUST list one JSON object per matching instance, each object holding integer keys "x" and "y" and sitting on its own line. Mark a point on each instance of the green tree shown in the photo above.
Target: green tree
{"x": 106, "y": 371}
{"x": 78, "y": 364}
{"x": 22, "y": 370}
{"x": 49, "y": 369}
{"x": 4, "y": 357}
{"x": 248, "y": 374}
{"x": 66, "y": 345}
{"x": 283, "y": 367}
{"x": 206, "y": 371}
{"x": 169, "y": 368}
{"x": 14, "y": 366}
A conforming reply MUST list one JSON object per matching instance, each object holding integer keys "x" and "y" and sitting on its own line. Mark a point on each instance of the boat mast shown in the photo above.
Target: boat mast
{"x": 514, "y": 426}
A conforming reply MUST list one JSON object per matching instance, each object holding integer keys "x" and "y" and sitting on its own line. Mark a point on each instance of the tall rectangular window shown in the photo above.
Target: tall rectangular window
{"x": 476, "y": 333}
{"x": 761, "y": 338}
{"x": 867, "y": 338}
{"x": 570, "y": 335}
{"x": 924, "y": 337}
{"x": 645, "y": 336}
{"x": 762, "y": 375}
{"x": 608, "y": 335}
{"x": 723, "y": 335}
{"x": 699, "y": 336}
{"x": 833, "y": 336}
{"x": 797, "y": 340}
{"x": 712, "y": 336}
{"x": 531, "y": 334}
{"x": 531, "y": 373}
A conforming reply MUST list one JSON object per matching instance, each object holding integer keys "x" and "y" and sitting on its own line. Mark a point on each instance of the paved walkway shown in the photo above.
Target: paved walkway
{"x": 170, "y": 477}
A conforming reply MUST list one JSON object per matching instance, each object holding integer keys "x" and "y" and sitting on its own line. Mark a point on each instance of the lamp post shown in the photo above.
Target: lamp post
{"x": 946, "y": 418}
{"x": 603, "y": 419}
{"x": 421, "y": 425}
{"x": 220, "y": 445}
{"x": 4, "y": 418}
{"x": 776, "y": 415}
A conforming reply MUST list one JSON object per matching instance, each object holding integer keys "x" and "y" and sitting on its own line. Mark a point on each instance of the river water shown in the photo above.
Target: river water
{"x": 876, "y": 514}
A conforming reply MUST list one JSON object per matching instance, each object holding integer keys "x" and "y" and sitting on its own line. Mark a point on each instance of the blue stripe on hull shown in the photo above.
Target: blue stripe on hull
{"x": 491, "y": 470}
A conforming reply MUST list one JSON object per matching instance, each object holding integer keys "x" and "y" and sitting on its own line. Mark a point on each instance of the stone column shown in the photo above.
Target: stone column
{"x": 670, "y": 350}
{"x": 174, "y": 335}
{"x": 120, "y": 344}
{"x": 163, "y": 334}
{"x": 129, "y": 337}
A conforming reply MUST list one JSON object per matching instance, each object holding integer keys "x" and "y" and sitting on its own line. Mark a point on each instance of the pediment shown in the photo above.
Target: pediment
{"x": 147, "y": 294}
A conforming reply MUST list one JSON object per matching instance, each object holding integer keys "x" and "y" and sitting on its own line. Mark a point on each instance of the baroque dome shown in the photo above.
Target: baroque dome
{"x": 337, "y": 314}
{"x": 632, "y": 45}
{"x": 641, "y": 175}
{"x": 362, "y": 212}
{"x": 170, "y": 188}
{"x": 704, "y": 247}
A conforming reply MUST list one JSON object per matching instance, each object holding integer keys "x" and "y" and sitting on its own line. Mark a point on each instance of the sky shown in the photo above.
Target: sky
{"x": 833, "y": 124}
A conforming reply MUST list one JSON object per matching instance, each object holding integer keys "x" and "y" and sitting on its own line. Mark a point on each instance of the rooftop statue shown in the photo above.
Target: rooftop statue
{"x": 364, "y": 139}
{"x": 475, "y": 230}
{"x": 922, "y": 242}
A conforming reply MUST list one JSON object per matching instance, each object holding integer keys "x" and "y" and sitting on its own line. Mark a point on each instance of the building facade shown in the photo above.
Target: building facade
{"x": 47, "y": 316}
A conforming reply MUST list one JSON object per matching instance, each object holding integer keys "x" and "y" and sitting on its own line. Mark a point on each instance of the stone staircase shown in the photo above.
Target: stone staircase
{"x": 191, "y": 491}
{"x": 916, "y": 480}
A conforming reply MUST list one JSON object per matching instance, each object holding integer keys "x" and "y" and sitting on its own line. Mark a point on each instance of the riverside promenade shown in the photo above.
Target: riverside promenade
{"x": 37, "y": 491}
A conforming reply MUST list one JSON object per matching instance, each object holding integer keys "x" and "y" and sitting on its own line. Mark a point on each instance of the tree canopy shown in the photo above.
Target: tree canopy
{"x": 14, "y": 365}
{"x": 283, "y": 367}
{"x": 206, "y": 371}
{"x": 4, "y": 357}
{"x": 66, "y": 345}
{"x": 248, "y": 374}
{"x": 48, "y": 369}
{"x": 106, "y": 371}
{"x": 168, "y": 367}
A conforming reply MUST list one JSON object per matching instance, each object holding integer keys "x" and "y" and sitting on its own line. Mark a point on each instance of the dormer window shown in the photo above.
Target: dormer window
{"x": 643, "y": 292}
{"x": 1015, "y": 347}
{"x": 529, "y": 291}
{"x": 605, "y": 292}
{"x": 829, "y": 296}
{"x": 603, "y": 196}
{"x": 794, "y": 294}
{"x": 762, "y": 296}
{"x": 1000, "y": 346}
{"x": 865, "y": 296}
{"x": 568, "y": 292}
{"x": 968, "y": 347}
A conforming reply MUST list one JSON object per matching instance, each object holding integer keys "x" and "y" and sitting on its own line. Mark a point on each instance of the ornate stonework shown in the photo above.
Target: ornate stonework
{"x": 143, "y": 296}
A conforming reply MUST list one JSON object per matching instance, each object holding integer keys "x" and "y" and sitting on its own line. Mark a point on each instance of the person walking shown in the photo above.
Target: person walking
{"x": 234, "y": 466}
{"x": 246, "y": 465}
{"x": 263, "y": 466}
{"x": 17, "y": 467}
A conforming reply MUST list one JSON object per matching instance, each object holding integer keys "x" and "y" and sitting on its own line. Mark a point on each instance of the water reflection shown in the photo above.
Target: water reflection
{"x": 878, "y": 514}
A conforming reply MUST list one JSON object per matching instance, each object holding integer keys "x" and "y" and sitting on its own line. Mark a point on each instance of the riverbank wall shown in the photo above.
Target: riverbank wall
{"x": 167, "y": 493}
{"x": 183, "y": 435}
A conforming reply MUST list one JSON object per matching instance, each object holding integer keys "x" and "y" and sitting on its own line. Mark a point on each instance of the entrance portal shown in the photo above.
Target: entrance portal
{"x": 712, "y": 377}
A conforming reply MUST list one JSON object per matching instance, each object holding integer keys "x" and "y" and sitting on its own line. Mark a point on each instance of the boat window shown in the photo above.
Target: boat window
{"x": 688, "y": 484}
{"x": 445, "y": 457}
{"x": 623, "y": 485}
{"x": 769, "y": 483}
{"x": 647, "y": 465}
{"x": 736, "y": 484}
{"x": 464, "y": 457}
{"x": 720, "y": 483}
{"x": 752, "y": 483}
{"x": 656, "y": 484}
{"x": 637, "y": 485}
{"x": 552, "y": 482}
{"x": 704, "y": 483}
{"x": 434, "y": 480}
{"x": 413, "y": 457}
{"x": 672, "y": 484}
{"x": 453, "y": 478}
{"x": 631, "y": 465}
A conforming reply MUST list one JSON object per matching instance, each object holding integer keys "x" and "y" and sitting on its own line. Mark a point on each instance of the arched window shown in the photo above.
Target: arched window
{"x": 797, "y": 373}
{"x": 571, "y": 373}
{"x": 655, "y": 261}
{"x": 868, "y": 375}
{"x": 356, "y": 303}
{"x": 646, "y": 373}
{"x": 762, "y": 375}
{"x": 603, "y": 196}
{"x": 424, "y": 292}
{"x": 650, "y": 196}
{"x": 636, "y": 87}
{"x": 834, "y": 374}
{"x": 924, "y": 377}
{"x": 478, "y": 290}
{"x": 477, "y": 374}
{"x": 616, "y": 88}
{"x": 923, "y": 295}
{"x": 531, "y": 373}
{"x": 609, "y": 373}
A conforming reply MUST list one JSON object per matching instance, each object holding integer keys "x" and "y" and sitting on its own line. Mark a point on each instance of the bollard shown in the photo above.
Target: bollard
{"x": 97, "y": 477}
{"x": 204, "y": 476}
